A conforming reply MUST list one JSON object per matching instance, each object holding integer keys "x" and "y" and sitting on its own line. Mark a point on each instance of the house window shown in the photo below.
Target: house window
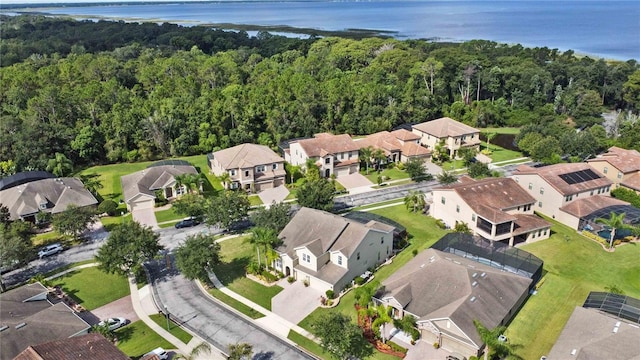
{"x": 541, "y": 191}
{"x": 591, "y": 192}
{"x": 608, "y": 188}
{"x": 246, "y": 173}
{"x": 306, "y": 257}
{"x": 232, "y": 172}
{"x": 442, "y": 200}
{"x": 179, "y": 190}
{"x": 457, "y": 208}
{"x": 534, "y": 234}
{"x": 339, "y": 260}
{"x": 539, "y": 203}
{"x": 274, "y": 166}
{"x": 605, "y": 170}
{"x": 619, "y": 175}
{"x": 358, "y": 256}
{"x": 530, "y": 186}
{"x": 342, "y": 156}
{"x": 327, "y": 161}
{"x": 473, "y": 217}
{"x": 261, "y": 168}
{"x": 234, "y": 185}
{"x": 382, "y": 240}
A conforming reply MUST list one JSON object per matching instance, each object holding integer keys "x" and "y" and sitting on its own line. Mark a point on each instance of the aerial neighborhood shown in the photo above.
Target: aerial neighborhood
{"x": 450, "y": 228}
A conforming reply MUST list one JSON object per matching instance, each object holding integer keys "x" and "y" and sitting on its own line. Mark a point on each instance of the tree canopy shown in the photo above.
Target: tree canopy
{"x": 129, "y": 245}
{"x": 340, "y": 337}
{"x": 197, "y": 256}
{"x": 74, "y": 220}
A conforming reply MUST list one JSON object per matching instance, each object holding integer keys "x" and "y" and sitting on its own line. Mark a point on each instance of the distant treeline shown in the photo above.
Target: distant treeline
{"x": 99, "y": 92}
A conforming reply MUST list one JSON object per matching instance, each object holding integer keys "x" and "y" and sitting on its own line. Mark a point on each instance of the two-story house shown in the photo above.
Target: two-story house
{"x": 328, "y": 251}
{"x": 621, "y": 166}
{"x": 454, "y": 134}
{"x": 250, "y": 166}
{"x": 398, "y": 145}
{"x": 556, "y": 186}
{"x": 495, "y": 208}
{"x": 333, "y": 154}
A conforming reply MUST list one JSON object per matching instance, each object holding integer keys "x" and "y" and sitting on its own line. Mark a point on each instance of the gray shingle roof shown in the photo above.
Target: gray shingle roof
{"x": 150, "y": 179}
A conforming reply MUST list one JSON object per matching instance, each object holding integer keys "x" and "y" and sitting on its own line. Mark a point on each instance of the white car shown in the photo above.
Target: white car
{"x": 50, "y": 250}
{"x": 114, "y": 323}
{"x": 162, "y": 354}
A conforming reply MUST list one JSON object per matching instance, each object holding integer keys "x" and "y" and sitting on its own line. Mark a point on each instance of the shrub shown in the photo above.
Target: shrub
{"x": 400, "y": 166}
{"x": 108, "y": 206}
{"x": 306, "y": 282}
{"x": 269, "y": 276}
{"x": 330, "y": 294}
{"x": 323, "y": 300}
{"x": 436, "y": 345}
{"x": 415, "y": 334}
{"x": 473, "y": 358}
{"x": 358, "y": 280}
{"x": 396, "y": 347}
{"x": 253, "y": 268}
{"x": 441, "y": 224}
{"x": 414, "y": 252}
{"x": 291, "y": 279}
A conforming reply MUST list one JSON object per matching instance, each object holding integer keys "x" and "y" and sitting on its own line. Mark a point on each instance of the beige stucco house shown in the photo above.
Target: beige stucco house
{"x": 250, "y": 166}
{"x": 334, "y": 154}
{"x": 398, "y": 145}
{"x": 495, "y": 208}
{"x": 328, "y": 251}
{"x": 555, "y": 186}
{"x": 621, "y": 166}
{"x": 446, "y": 292}
{"x": 455, "y": 134}
{"x": 139, "y": 189}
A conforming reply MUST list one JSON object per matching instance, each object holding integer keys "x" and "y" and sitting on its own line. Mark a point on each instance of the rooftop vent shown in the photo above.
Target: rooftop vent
{"x": 21, "y": 325}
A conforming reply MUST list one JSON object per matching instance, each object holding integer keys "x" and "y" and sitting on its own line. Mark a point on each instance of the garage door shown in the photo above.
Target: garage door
{"x": 343, "y": 171}
{"x": 264, "y": 186}
{"x": 142, "y": 204}
{"x": 452, "y": 345}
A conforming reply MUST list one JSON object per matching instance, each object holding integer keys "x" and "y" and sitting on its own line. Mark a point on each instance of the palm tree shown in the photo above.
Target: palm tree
{"x": 240, "y": 351}
{"x": 379, "y": 156}
{"x": 491, "y": 339}
{"x": 614, "y": 222}
{"x": 225, "y": 179}
{"x": 104, "y": 331}
{"x": 407, "y": 324}
{"x": 60, "y": 165}
{"x": 490, "y": 137}
{"x": 92, "y": 183}
{"x": 202, "y": 349}
{"x": 365, "y": 156}
{"x": 263, "y": 237}
{"x": 415, "y": 200}
{"x": 446, "y": 178}
{"x": 383, "y": 317}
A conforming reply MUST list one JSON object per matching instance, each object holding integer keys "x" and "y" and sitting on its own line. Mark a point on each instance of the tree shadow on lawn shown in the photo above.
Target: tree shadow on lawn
{"x": 228, "y": 272}
{"x": 125, "y": 334}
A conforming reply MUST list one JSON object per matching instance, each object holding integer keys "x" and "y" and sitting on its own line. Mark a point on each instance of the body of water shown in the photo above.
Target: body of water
{"x": 609, "y": 29}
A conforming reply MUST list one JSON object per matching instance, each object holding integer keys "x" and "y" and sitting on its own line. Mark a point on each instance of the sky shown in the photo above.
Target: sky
{"x": 2, "y": 2}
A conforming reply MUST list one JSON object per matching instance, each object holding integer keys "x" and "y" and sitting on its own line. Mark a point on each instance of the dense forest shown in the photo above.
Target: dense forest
{"x": 99, "y": 92}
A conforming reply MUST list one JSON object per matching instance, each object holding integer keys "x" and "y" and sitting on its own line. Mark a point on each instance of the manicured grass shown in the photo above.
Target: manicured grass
{"x": 501, "y": 130}
{"x": 254, "y": 314}
{"x": 254, "y": 200}
{"x": 236, "y": 254}
{"x": 174, "y": 329}
{"x": 308, "y": 345}
{"x": 48, "y": 238}
{"x": 138, "y": 339}
{"x": 499, "y": 154}
{"x": 168, "y": 224}
{"x": 108, "y": 222}
{"x": 391, "y": 174}
{"x": 453, "y": 165}
{"x": 67, "y": 267}
{"x": 167, "y": 215}
{"x": 382, "y": 203}
{"x": 574, "y": 266}
{"x": 93, "y": 288}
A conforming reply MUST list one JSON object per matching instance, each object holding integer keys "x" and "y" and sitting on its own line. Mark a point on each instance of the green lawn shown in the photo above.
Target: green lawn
{"x": 501, "y": 130}
{"x": 67, "y": 267}
{"x": 93, "y": 288}
{"x": 236, "y": 254}
{"x": 254, "y": 314}
{"x": 108, "y": 222}
{"x": 167, "y": 215}
{"x": 137, "y": 339}
{"x": 574, "y": 267}
{"x": 254, "y": 200}
{"x": 48, "y": 238}
{"x": 391, "y": 174}
{"x": 174, "y": 329}
{"x": 499, "y": 154}
{"x": 369, "y": 206}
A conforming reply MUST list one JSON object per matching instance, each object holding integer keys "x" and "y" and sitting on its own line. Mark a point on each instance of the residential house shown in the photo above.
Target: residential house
{"x": 28, "y": 317}
{"x": 334, "y": 154}
{"x": 495, "y": 208}
{"x": 446, "y": 293}
{"x": 140, "y": 188}
{"x": 454, "y": 134}
{"x": 26, "y": 194}
{"x": 91, "y": 346}
{"x": 582, "y": 213}
{"x": 398, "y": 145}
{"x": 250, "y": 166}
{"x": 555, "y": 186}
{"x": 328, "y": 251}
{"x": 608, "y": 329}
{"x": 621, "y": 166}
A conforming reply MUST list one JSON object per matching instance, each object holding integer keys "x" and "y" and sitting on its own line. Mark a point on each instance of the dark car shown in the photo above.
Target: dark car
{"x": 188, "y": 222}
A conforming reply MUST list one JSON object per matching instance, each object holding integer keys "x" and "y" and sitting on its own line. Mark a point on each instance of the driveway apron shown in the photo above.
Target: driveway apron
{"x": 355, "y": 180}
{"x": 296, "y": 301}
{"x": 146, "y": 217}
{"x": 277, "y": 194}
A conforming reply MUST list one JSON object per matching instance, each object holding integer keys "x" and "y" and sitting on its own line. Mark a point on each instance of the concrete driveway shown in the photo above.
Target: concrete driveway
{"x": 296, "y": 301}
{"x": 277, "y": 194}
{"x": 146, "y": 217}
{"x": 355, "y": 180}
{"x": 119, "y": 308}
{"x": 432, "y": 168}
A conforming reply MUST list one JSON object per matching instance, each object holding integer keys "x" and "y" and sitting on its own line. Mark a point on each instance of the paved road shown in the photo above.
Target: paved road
{"x": 213, "y": 322}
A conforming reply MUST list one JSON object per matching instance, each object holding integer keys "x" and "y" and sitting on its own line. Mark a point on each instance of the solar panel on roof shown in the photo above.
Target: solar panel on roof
{"x": 581, "y": 176}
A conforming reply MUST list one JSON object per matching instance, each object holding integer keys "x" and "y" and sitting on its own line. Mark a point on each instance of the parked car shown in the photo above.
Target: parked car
{"x": 114, "y": 323}
{"x": 187, "y": 222}
{"x": 162, "y": 354}
{"x": 50, "y": 250}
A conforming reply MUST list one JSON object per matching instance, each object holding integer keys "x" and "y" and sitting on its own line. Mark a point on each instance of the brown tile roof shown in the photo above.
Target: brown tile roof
{"x": 633, "y": 182}
{"x": 526, "y": 223}
{"x": 149, "y": 180}
{"x": 245, "y": 156}
{"x": 445, "y": 127}
{"x": 58, "y": 194}
{"x": 489, "y": 197}
{"x": 435, "y": 285}
{"x": 624, "y": 160}
{"x": 390, "y": 142}
{"x": 585, "y": 206}
{"x": 590, "y": 334}
{"x": 551, "y": 174}
{"x": 405, "y": 135}
{"x": 323, "y": 144}
{"x": 90, "y": 346}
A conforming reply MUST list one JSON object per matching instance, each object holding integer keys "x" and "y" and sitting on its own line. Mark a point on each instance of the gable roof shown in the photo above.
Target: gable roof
{"x": 323, "y": 232}
{"x": 392, "y": 142}
{"x": 586, "y": 206}
{"x": 246, "y": 155}
{"x": 590, "y": 333}
{"x": 633, "y": 182}
{"x": 90, "y": 346}
{"x": 42, "y": 320}
{"x": 553, "y": 174}
{"x": 435, "y": 285}
{"x": 624, "y": 160}
{"x": 489, "y": 197}
{"x": 149, "y": 180}
{"x": 445, "y": 127}
{"x": 57, "y": 193}
{"x": 324, "y": 143}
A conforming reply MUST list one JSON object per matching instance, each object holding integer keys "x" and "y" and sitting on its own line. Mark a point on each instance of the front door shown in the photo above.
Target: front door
{"x": 327, "y": 173}
{"x": 168, "y": 193}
